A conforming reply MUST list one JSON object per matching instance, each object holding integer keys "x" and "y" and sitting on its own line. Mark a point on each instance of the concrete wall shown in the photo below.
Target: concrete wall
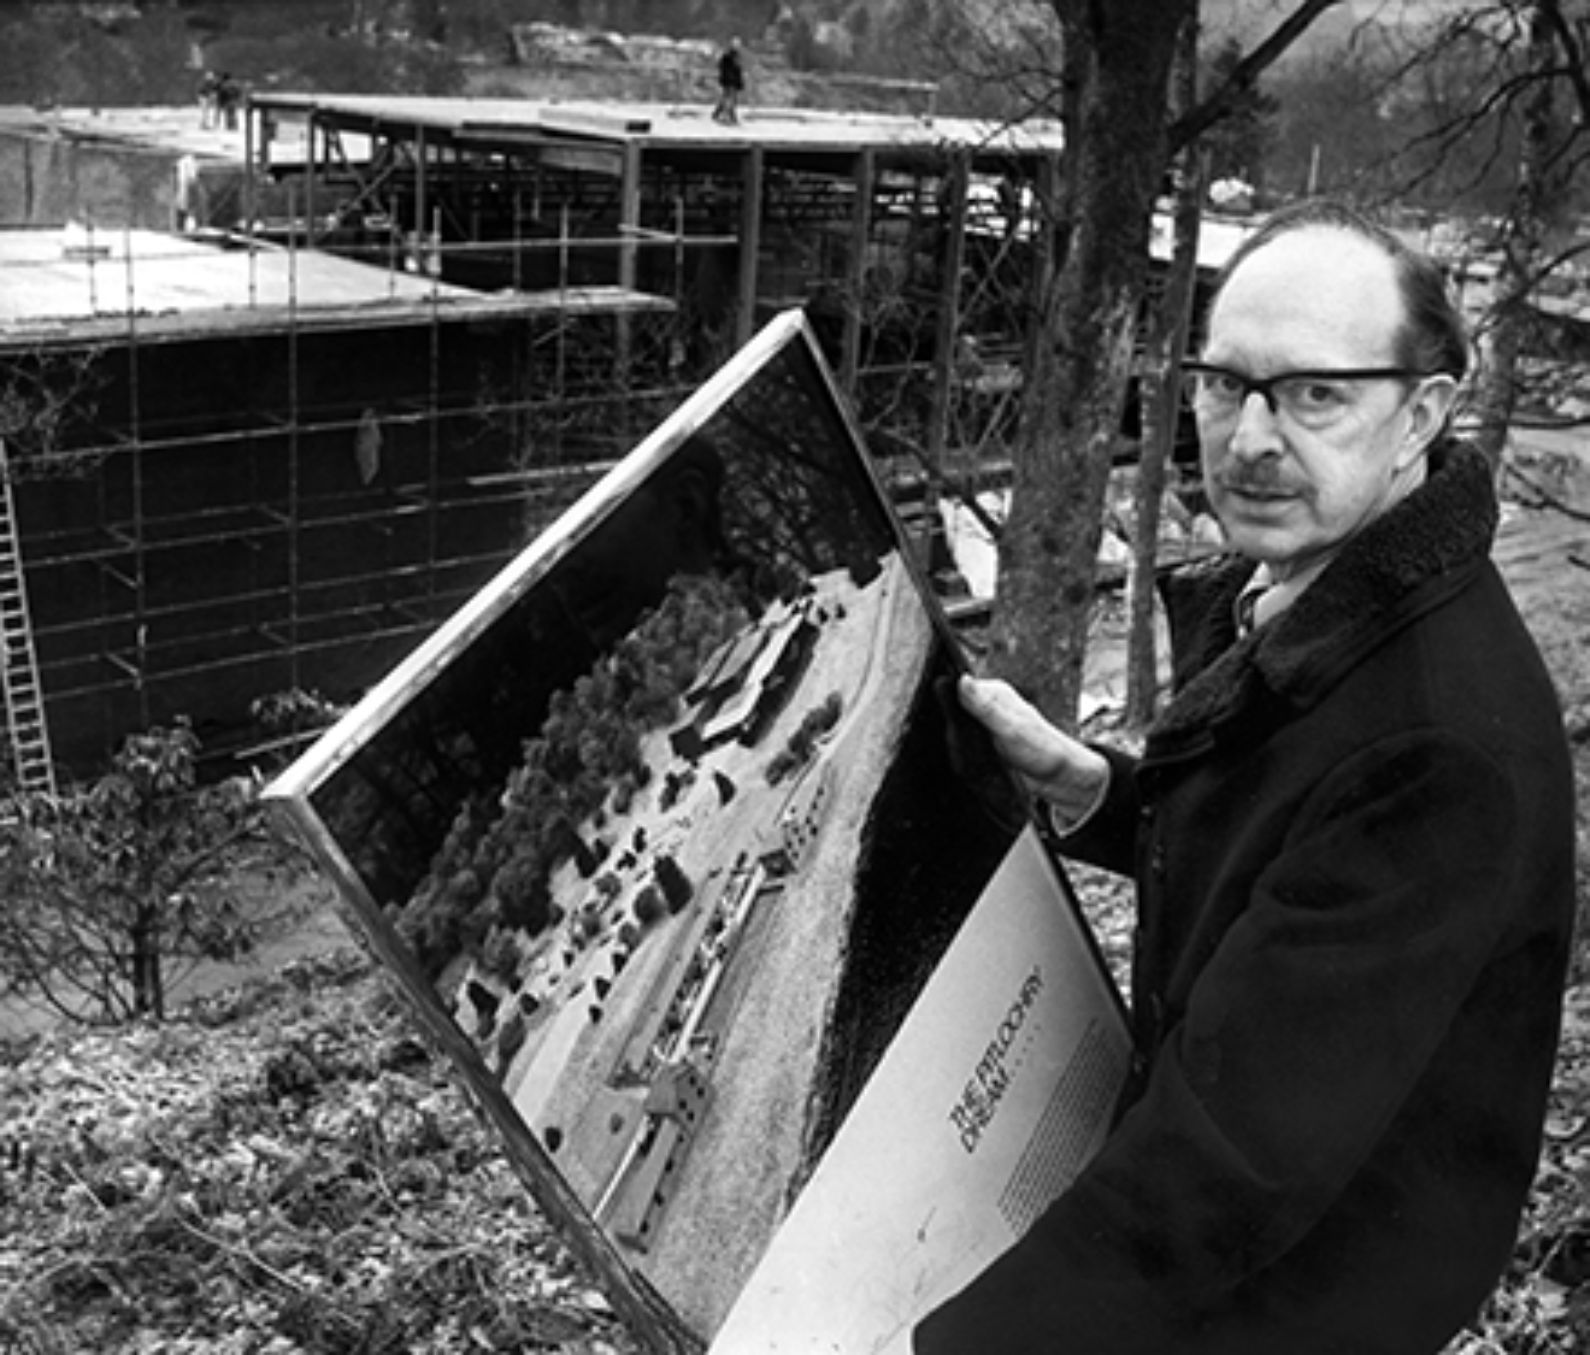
{"x": 48, "y": 180}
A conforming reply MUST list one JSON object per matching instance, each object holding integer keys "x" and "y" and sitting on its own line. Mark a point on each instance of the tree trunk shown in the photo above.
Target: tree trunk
{"x": 1117, "y": 59}
{"x": 148, "y": 982}
{"x": 1161, "y": 399}
{"x": 1496, "y": 392}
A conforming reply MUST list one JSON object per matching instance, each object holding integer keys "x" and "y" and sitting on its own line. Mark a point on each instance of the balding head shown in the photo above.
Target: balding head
{"x": 1431, "y": 336}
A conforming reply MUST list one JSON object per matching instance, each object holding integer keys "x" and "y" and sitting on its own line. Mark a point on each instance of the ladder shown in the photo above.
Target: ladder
{"x": 19, "y": 663}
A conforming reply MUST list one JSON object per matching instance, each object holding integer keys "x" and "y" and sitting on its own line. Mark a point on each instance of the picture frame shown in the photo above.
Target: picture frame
{"x": 663, "y": 834}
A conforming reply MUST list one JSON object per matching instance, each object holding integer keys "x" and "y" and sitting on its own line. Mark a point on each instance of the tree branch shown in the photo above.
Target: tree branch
{"x": 1245, "y": 74}
{"x": 1545, "y": 498}
{"x": 1574, "y": 69}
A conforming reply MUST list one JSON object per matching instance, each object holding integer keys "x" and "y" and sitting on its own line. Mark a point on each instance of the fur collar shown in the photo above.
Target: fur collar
{"x": 1405, "y": 562}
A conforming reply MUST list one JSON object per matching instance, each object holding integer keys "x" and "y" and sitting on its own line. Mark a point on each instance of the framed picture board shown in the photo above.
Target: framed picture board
{"x": 663, "y": 834}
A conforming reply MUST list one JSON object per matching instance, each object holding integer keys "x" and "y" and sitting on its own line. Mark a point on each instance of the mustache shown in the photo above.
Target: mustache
{"x": 1262, "y": 478}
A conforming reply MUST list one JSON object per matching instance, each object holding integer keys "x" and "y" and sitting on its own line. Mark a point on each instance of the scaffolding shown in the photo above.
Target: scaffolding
{"x": 288, "y": 497}
{"x": 289, "y": 492}
{"x": 501, "y": 173}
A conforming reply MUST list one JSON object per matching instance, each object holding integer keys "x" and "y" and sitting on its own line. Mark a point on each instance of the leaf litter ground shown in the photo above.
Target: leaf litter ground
{"x": 284, "y": 1168}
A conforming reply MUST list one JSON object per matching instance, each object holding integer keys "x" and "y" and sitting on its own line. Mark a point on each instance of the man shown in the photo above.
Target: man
{"x": 1351, "y": 833}
{"x": 731, "y": 81}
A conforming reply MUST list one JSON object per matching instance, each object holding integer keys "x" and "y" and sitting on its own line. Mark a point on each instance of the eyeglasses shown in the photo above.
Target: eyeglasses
{"x": 1312, "y": 399}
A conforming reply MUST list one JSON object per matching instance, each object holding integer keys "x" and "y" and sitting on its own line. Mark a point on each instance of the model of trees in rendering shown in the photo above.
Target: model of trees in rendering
{"x": 494, "y": 868}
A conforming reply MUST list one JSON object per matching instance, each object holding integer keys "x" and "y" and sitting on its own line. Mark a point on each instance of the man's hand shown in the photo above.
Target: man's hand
{"x": 1068, "y": 774}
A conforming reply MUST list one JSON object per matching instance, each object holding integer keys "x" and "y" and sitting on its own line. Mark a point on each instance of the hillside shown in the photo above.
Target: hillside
{"x": 832, "y": 53}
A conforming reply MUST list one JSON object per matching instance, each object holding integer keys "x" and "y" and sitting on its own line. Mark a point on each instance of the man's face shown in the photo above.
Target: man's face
{"x": 1289, "y": 491}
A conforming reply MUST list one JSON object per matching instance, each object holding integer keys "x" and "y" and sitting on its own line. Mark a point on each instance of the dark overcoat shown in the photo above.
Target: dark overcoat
{"x": 1352, "y": 835}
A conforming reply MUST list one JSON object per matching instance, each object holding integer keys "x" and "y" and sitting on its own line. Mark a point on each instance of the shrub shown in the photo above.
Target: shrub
{"x": 510, "y": 1039}
{"x": 650, "y": 906}
{"x": 676, "y": 888}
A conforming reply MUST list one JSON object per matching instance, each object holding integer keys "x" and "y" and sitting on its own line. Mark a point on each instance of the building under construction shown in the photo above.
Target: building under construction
{"x": 327, "y": 374}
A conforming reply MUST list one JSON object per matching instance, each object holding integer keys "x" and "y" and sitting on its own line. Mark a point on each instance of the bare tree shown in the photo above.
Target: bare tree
{"x": 1496, "y": 100}
{"x": 1521, "y": 242}
{"x": 1115, "y": 68}
{"x": 1166, "y": 342}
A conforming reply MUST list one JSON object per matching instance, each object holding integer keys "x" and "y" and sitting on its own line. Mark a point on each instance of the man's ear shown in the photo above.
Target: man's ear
{"x": 1428, "y": 412}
